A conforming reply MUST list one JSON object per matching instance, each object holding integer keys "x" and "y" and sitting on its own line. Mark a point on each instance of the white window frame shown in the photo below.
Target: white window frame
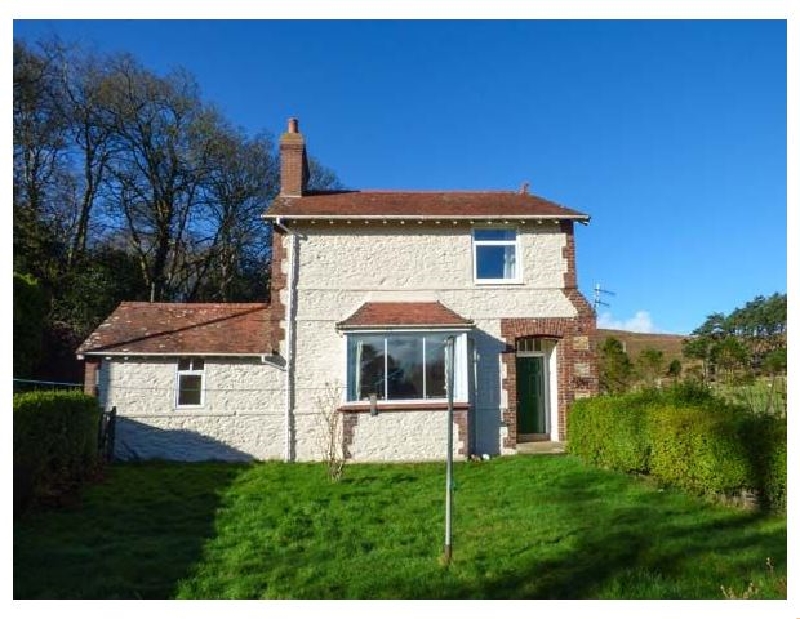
{"x": 460, "y": 386}
{"x": 190, "y": 372}
{"x": 516, "y": 243}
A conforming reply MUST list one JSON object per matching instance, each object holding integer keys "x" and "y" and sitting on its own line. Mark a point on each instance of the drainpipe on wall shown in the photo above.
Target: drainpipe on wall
{"x": 473, "y": 427}
{"x": 288, "y": 455}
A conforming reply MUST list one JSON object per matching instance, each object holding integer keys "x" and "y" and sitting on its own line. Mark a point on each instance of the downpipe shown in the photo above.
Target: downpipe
{"x": 288, "y": 455}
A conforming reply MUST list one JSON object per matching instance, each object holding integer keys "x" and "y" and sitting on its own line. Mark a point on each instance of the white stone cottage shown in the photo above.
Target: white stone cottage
{"x": 365, "y": 288}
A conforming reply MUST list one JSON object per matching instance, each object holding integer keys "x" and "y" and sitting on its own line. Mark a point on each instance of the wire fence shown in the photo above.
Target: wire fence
{"x": 23, "y": 385}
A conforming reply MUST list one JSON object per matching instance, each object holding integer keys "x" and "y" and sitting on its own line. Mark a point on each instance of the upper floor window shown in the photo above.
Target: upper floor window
{"x": 495, "y": 255}
{"x": 190, "y": 381}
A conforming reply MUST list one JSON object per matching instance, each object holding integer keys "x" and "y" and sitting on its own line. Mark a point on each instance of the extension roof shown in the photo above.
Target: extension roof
{"x": 404, "y": 314}
{"x": 151, "y": 329}
{"x": 420, "y": 204}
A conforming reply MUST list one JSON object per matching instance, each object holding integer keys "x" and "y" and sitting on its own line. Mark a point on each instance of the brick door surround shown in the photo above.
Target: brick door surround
{"x": 569, "y": 358}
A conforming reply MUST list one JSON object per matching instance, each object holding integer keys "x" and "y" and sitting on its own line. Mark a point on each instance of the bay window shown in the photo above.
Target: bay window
{"x": 401, "y": 366}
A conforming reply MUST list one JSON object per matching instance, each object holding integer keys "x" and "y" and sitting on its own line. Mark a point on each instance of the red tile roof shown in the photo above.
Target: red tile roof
{"x": 147, "y": 328}
{"x": 406, "y": 314}
{"x": 446, "y": 204}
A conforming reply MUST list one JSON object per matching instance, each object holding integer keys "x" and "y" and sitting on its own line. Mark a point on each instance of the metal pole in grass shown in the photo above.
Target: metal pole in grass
{"x": 448, "y": 501}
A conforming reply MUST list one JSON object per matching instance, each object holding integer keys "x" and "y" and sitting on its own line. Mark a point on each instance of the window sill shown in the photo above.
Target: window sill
{"x": 497, "y": 282}
{"x": 359, "y": 407}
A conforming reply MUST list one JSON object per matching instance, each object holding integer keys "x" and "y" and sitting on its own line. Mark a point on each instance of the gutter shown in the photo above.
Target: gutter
{"x": 393, "y": 327}
{"x": 412, "y": 217}
{"x": 99, "y": 353}
{"x": 288, "y": 456}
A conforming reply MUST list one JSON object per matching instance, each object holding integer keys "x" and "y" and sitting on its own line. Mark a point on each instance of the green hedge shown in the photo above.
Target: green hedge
{"x": 55, "y": 442}
{"x": 768, "y": 454}
{"x": 623, "y": 449}
{"x": 698, "y": 448}
{"x": 775, "y": 473}
{"x": 684, "y": 437}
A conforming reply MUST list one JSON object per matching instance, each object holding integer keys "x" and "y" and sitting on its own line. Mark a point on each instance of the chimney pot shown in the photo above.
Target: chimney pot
{"x": 293, "y": 128}
{"x": 524, "y": 189}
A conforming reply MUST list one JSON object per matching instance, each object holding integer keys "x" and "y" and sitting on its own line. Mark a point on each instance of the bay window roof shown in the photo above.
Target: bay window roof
{"x": 389, "y": 315}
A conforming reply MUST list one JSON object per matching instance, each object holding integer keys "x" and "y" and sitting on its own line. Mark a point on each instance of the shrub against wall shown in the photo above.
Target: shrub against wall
{"x": 684, "y": 437}
{"x": 55, "y": 442}
{"x": 609, "y": 431}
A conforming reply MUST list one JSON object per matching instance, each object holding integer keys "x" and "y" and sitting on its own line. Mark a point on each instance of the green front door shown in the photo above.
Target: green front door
{"x": 531, "y": 418}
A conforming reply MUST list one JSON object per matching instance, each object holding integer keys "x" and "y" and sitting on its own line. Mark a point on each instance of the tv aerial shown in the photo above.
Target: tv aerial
{"x": 598, "y": 300}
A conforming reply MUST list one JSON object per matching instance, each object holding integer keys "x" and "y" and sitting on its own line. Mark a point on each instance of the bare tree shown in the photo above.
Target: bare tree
{"x": 331, "y": 438}
{"x": 322, "y": 178}
{"x": 242, "y": 179}
{"x": 39, "y": 127}
{"x": 41, "y": 179}
{"x": 161, "y": 133}
{"x": 83, "y": 82}
{"x": 124, "y": 178}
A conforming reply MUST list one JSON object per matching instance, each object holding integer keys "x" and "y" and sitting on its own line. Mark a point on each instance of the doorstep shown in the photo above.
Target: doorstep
{"x": 542, "y": 447}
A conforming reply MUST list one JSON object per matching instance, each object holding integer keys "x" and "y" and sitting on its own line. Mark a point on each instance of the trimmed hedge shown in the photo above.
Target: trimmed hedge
{"x": 55, "y": 442}
{"x": 698, "y": 448}
{"x": 775, "y": 465}
{"x": 684, "y": 437}
{"x": 768, "y": 455}
{"x": 626, "y": 448}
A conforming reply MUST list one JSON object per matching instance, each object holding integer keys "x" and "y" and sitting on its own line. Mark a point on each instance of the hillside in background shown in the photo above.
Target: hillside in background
{"x": 633, "y": 343}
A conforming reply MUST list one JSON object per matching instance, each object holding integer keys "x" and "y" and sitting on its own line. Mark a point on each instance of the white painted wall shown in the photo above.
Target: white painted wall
{"x": 242, "y": 417}
{"x": 402, "y": 436}
{"x": 341, "y": 267}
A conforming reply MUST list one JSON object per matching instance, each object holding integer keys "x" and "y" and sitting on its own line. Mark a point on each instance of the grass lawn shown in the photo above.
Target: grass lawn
{"x": 524, "y": 527}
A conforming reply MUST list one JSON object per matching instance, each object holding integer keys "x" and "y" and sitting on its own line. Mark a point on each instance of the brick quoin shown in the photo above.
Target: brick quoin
{"x": 461, "y": 418}
{"x": 90, "y": 368}
{"x": 562, "y": 329}
{"x": 277, "y": 311}
{"x": 349, "y": 423}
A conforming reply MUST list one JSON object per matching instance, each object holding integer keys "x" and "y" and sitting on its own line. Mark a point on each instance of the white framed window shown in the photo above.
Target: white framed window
{"x": 496, "y": 256}
{"x": 190, "y": 381}
{"x": 403, "y": 366}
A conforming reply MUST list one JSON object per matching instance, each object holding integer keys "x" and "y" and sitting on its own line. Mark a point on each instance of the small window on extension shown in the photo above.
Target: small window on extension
{"x": 190, "y": 383}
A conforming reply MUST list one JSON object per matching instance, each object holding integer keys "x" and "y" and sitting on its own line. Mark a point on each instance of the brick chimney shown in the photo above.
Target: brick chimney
{"x": 294, "y": 165}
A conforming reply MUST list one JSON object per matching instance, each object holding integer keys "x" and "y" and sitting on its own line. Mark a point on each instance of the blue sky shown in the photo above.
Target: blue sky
{"x": 670, "y": 134}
